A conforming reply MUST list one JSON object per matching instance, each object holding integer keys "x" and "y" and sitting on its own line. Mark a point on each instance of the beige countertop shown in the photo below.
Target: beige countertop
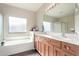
{"x": 60, "y": 38}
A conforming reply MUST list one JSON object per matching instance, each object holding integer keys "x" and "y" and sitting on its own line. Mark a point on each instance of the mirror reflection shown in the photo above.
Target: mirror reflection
{"x": 60, "y": 18}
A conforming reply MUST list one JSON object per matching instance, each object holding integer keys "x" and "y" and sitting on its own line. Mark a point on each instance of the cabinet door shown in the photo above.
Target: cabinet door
{"x": 42, "y": 49}
{"x": 57, "y": 27}
{"x": 39, "y": 47}
{"x": 36, "y": 43}
{"x": 46, "y": 50}
{"x": 67, "y": 54}
{"x": 70, "y": 48}
{"x": 50, "y": 51}
{"x": 58, "y": 52}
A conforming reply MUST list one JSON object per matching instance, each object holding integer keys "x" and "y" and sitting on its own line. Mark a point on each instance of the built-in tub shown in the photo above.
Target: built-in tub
{"x": 17, "y": 45}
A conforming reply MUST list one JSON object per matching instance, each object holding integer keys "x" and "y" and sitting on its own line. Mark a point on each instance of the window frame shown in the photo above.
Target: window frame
{"x": 17, "y": 17}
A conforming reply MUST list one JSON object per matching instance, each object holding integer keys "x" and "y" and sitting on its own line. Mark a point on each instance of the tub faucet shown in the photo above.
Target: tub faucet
{"x": 2, "y": 43}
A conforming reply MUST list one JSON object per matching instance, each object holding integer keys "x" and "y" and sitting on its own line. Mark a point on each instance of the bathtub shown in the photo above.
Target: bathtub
{"x": 17, "y": 45}
{"x": 17, "y": 40}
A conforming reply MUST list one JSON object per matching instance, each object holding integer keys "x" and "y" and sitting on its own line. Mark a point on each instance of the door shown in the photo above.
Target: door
{"x": 60, "y": 27}
{"x": 50, "y": 51}
{"x": 57, "y": 27}
{"x": 1, "y": 29}
{"x": 64, "y": 27}
{"x": 42, "y": 49}
{"x": 58, "y": 52}
{"x": 36, "y": 43}
{"x": 46, "y": 49}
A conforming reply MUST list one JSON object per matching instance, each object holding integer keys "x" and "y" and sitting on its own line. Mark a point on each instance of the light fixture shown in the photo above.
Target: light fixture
{"x": 51, "y": 6}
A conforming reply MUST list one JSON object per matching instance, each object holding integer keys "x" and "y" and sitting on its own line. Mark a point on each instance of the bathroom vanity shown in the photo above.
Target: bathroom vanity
{"x": 56, "y": 44}
{"x": 47, "y": 45}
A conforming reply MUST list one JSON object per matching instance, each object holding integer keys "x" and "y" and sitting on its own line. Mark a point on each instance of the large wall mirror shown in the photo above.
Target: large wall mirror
{"x": 60, "y": 18}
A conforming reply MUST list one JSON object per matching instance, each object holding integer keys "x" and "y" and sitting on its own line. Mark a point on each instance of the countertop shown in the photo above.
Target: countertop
{"x": 60, "y": 38}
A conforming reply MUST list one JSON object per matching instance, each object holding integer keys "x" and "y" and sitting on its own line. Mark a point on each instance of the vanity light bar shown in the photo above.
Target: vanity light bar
{"x": 51, "y": 6}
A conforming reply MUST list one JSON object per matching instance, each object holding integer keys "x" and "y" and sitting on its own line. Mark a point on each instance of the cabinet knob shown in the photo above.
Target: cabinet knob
{"x": 67, "y": 47}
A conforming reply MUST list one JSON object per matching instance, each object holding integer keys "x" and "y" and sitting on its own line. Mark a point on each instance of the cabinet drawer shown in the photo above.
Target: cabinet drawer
{"x": 46, "y": 48}
{"x": 46, "y": 39}
{"x": 55, "y": 43}
{"x": 71, "y": 48}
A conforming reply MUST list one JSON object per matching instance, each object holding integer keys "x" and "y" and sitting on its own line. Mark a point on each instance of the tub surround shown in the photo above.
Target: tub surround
{"x": 18, "y": 44}
{"x": 14, "y": 49}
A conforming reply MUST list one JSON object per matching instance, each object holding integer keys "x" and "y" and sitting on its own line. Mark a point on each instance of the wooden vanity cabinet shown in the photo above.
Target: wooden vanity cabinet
{"x": 67, "y": 54}
{"x": 55, "y": 43}
{"x": 50, "y": 51}
{"x": 36, "y": 43}
{"x": 51, "y": 47}
{"x": 39, "y": 45}
{"x": 58, "y": 52}
{"x": 46, "y": 50}
{"x": 43, "y": 46}
{"x": 71, "y": 48}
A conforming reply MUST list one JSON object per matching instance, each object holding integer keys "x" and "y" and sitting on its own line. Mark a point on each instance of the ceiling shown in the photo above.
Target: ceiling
{"x": 28, "y": 6}
{"x": 61, "y": 10}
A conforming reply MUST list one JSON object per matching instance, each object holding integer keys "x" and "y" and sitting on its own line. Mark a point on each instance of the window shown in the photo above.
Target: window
{"x": 47, "y": 26}
{"x": 17, "y": 24}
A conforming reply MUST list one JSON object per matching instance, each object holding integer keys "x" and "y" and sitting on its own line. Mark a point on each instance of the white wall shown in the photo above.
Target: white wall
{"x": 17, "y": 12}
{"x": 7, "y": 11}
